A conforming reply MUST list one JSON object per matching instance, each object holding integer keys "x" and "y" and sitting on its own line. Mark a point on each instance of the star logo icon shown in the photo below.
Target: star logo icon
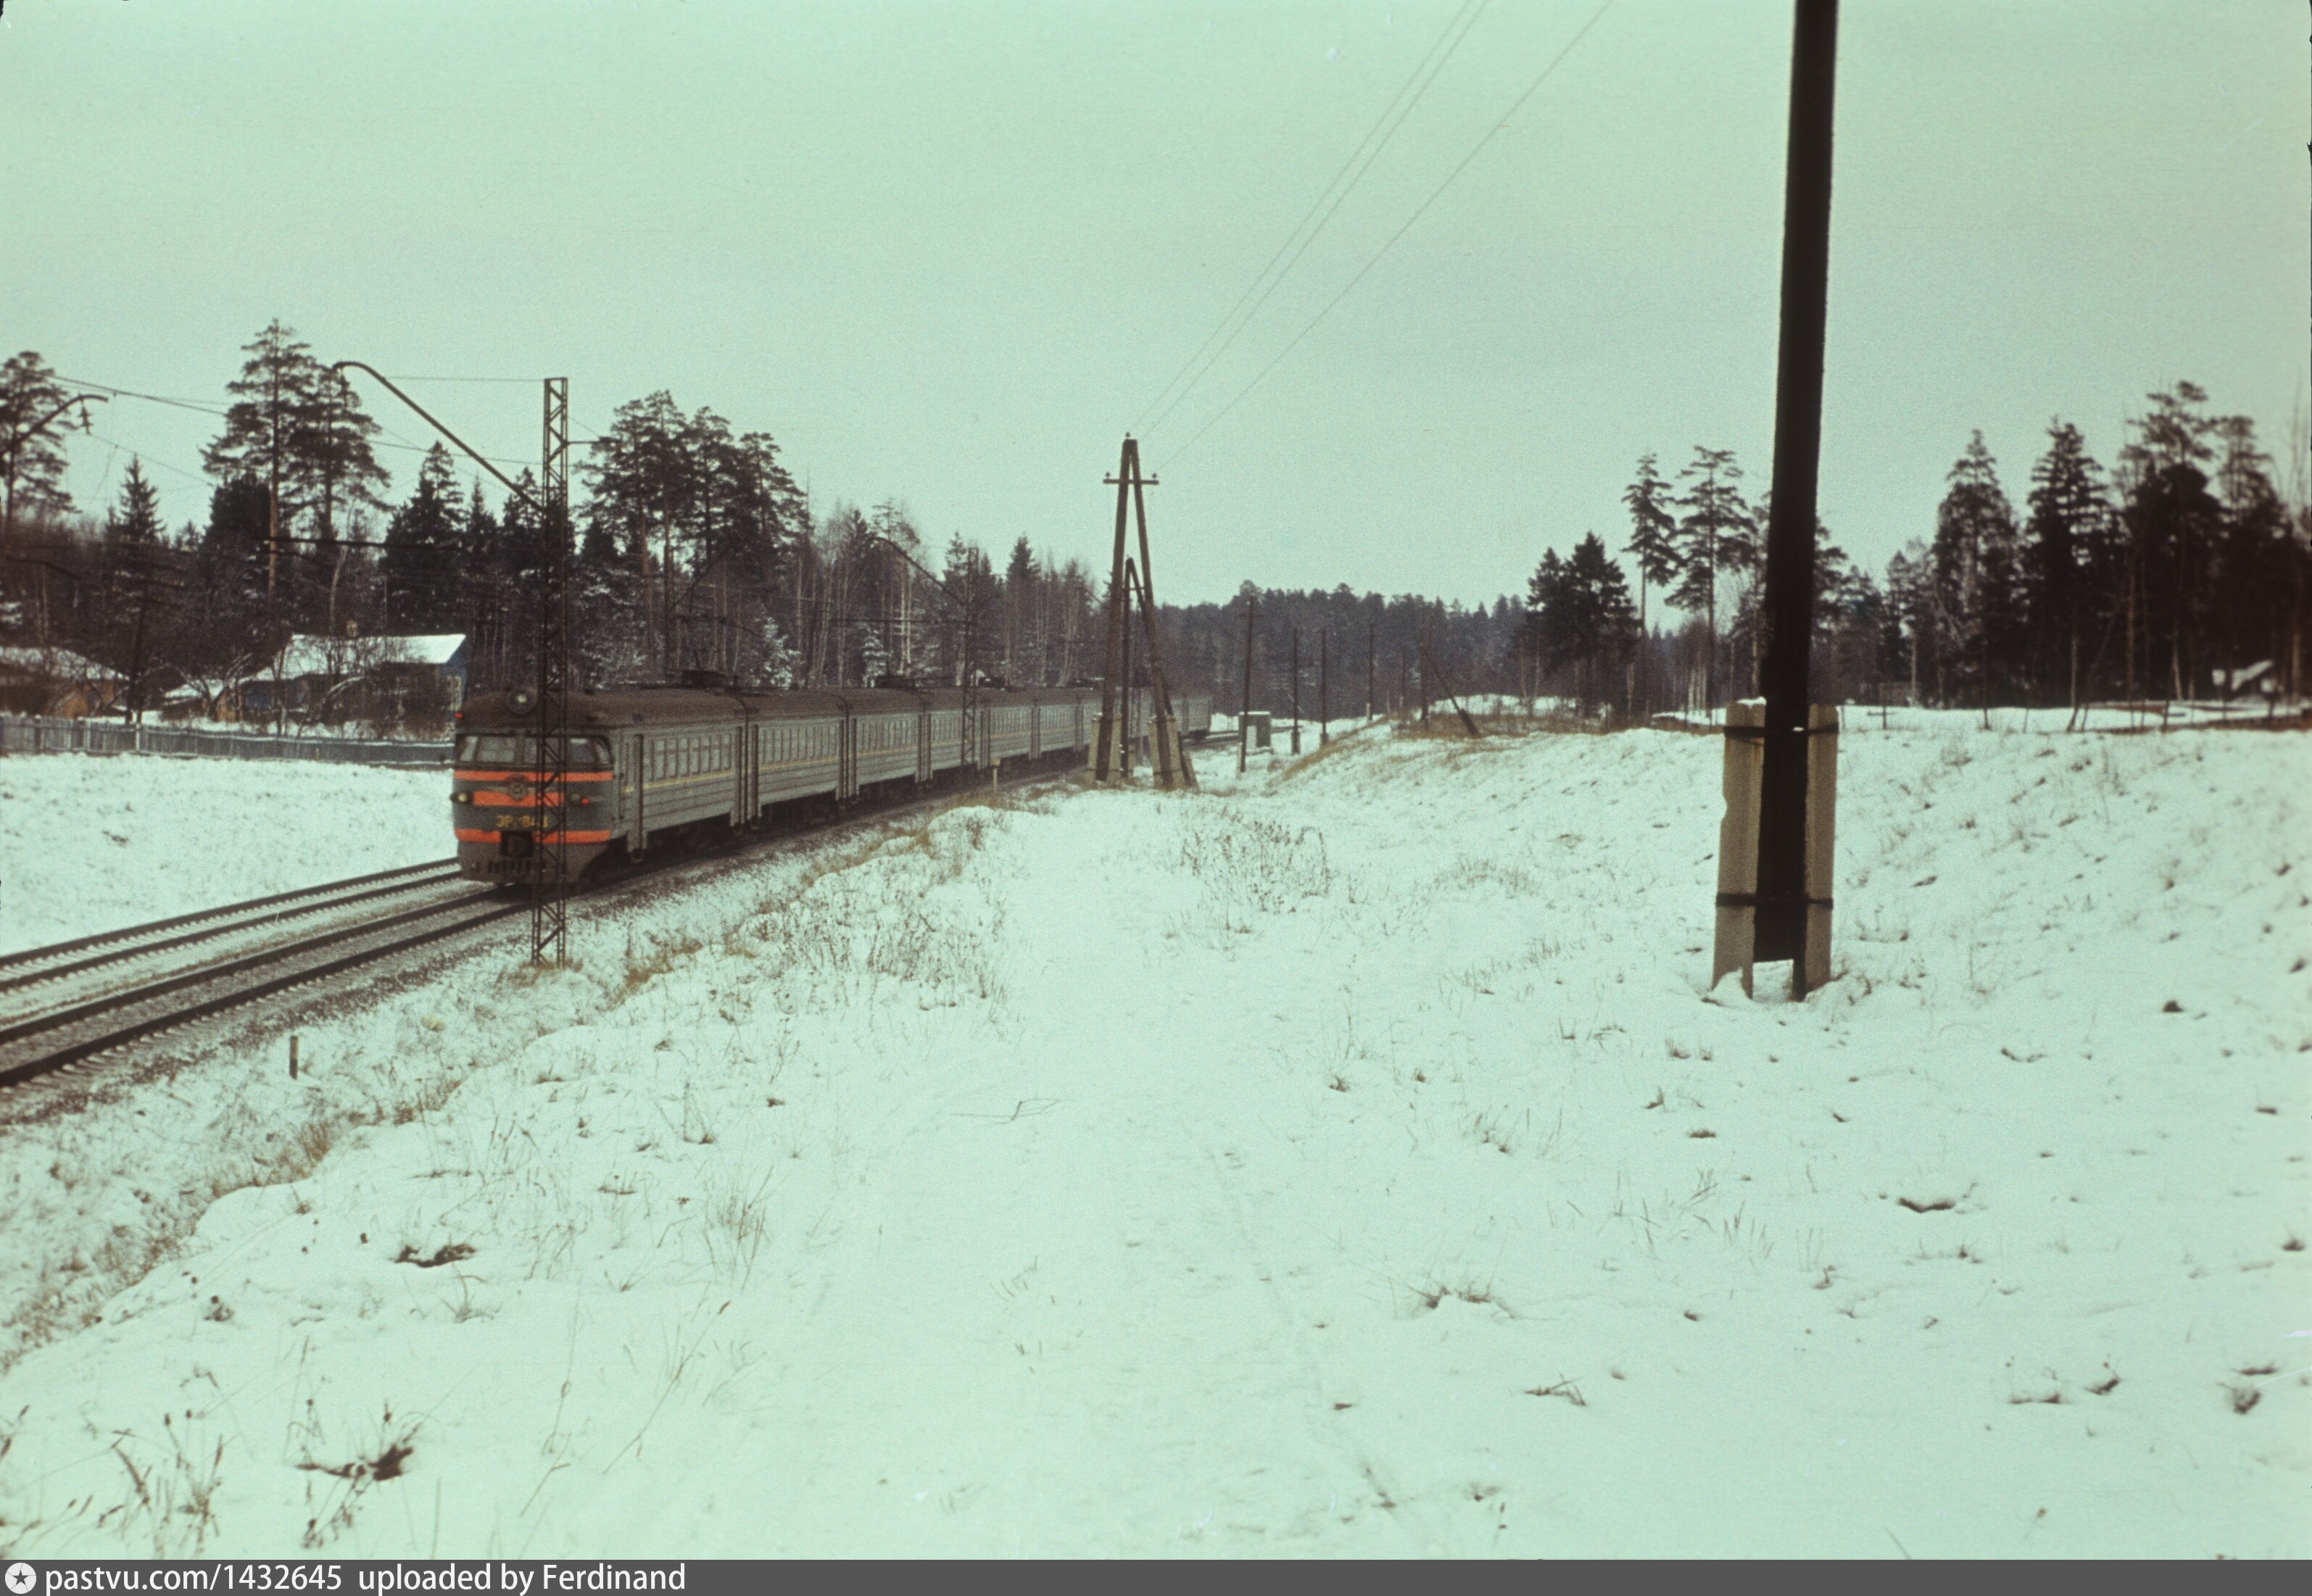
{"x": 20, "y": 1579}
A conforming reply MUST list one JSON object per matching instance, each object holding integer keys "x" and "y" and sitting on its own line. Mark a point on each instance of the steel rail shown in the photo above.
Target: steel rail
{"x": 320, "y": 905}
{"x": 48, "y": 1063}
{"x": 71, "y": 1053}
{"x": 56, "y": 1019}
{"x": 58, "y": 949}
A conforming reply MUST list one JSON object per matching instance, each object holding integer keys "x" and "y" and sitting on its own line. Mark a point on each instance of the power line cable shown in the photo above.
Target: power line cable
{"x": 124, "y": 393}
{"x": 1383, "y": 120}
{"x": 1500, "y": 123}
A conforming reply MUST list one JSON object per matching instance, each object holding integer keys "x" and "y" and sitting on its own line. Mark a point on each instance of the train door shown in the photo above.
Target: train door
{"x": 636, "y": 778}
{"x": 742, "y": 772}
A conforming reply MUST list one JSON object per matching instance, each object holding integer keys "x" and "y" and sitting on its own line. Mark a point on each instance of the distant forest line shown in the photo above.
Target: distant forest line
{"x": 2163, "y": 574}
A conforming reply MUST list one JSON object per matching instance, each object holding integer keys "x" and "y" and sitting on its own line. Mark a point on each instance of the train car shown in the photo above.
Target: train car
{"x": 650, "y": 763}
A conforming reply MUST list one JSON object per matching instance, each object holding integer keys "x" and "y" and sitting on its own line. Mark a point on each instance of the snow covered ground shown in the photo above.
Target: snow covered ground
{"x": 1342, "y": 1161}
{"x": 89, "y": 842}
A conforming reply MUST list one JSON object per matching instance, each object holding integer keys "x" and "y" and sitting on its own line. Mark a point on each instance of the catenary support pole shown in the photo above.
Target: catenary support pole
{"x": 1324, "y": 663}
{"x": 549, "y": 905}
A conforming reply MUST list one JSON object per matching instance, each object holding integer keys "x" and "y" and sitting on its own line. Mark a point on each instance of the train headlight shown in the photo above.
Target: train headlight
{"x": 461, "y": 797}
{"x": 521, "y": 701}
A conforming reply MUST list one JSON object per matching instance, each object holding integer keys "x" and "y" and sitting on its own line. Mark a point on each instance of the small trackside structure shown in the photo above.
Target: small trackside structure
{"x": 1736, "y": 945}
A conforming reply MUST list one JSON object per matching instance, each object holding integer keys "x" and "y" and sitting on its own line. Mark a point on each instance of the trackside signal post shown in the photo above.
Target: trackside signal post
{"x": 1112, "y": 746}
{"x": 1774, "y": 844}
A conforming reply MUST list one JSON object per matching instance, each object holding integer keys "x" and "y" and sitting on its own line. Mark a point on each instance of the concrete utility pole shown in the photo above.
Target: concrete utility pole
{"x": 1775, "y": 847}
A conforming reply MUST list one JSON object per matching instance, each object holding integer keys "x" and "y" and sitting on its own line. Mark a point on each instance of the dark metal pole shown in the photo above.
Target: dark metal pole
{"x": 1296, "y": 690}
{"x": 1788, "y": 599}
{"x": 1323, "y": 662}
{"x": 1372, "y": 633}
{"x": 549, "y": 903}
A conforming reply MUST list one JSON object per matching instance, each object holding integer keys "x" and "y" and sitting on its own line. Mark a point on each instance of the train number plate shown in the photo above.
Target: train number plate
{"x": 518, "y": 822}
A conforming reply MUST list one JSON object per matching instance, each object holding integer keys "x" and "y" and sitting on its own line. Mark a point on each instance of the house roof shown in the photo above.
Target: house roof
{"x": 60, "y": 663}
{"x": 308, "y": 654}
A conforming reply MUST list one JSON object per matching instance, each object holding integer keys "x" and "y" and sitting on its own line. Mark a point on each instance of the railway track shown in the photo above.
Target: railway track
{"x": 65, "y": 1003}
{"x": 33, "y": 966}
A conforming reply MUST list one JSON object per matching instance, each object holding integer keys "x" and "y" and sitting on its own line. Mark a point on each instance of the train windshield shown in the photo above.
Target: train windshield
{"x": 512, "y": 753}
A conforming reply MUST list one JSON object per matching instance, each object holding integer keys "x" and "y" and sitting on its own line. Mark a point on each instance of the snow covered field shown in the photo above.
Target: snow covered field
{"x": 1344, "y": 1161}
{"x": 91, "y": 842}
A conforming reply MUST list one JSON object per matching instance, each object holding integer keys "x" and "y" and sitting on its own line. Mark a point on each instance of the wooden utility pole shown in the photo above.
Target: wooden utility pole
{"x": 1372, "y": 632}
{"x": 1774, "y": 843}
{"x": 1114, "y": 746}
{"x": 1324, "y": 719}
{"x": 1172, "y": 761}
{"x": 1104, "y": 747}
{"x": 1244, "y": 715}
{"x": 1296, "y": 690}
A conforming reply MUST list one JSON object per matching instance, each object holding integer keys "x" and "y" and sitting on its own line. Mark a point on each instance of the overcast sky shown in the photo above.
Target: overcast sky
{"x": 948, "y": 253}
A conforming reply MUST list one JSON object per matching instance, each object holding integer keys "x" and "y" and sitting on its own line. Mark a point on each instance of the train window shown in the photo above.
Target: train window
{"x": 586, "y": 753}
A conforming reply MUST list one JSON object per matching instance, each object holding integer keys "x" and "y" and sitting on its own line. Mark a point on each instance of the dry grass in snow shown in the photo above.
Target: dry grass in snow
{"x": 1345, "y": 1160}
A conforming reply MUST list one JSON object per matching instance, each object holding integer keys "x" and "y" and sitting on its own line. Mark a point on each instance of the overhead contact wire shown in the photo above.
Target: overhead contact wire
{"x": 1500, "y": 123}
{"x": 1380, "y": 122}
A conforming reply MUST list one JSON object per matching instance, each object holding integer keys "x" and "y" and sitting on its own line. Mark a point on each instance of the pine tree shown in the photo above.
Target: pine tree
{"x": 34, "y": 413}
{"x": 1716, "y": 535}
{"x": 270, "y": 433}
{"x": 1653, "y": 531}
{"x": 2249, "y": 590}
{"x": 2172, "y": 521}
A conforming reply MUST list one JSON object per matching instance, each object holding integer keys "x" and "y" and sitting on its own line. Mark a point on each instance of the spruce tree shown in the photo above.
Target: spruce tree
{"x": 1976, "y": 578}
{"x": 2066, "y": 550}
{"x": 136, "y": 518}
{"x": 423, "y": 593}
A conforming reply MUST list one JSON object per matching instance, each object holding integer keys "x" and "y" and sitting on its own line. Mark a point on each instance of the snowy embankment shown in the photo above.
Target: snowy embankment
{"x": 91, "y": 842}
{"x": 1342, "y": 1161}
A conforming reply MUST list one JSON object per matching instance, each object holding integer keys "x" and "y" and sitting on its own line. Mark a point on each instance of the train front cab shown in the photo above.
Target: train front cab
{"x": 506, "y": 828}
